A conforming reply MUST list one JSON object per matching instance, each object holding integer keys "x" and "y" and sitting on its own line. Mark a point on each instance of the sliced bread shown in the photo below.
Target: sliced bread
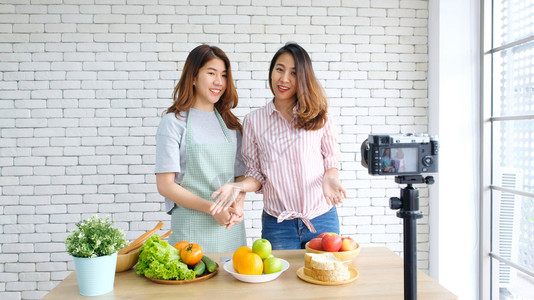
{"x": 325, "y": 267}
{"x": 331, "y": 275}
{"x": 323, "y": 261}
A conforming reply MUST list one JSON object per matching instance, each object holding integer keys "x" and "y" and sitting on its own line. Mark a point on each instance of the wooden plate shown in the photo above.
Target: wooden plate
{"x": 353, "y": 276}
{"x": 201, "y": 278}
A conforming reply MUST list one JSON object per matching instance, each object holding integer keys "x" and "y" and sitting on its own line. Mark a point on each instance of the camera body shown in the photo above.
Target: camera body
{"x": 400, "y": 154}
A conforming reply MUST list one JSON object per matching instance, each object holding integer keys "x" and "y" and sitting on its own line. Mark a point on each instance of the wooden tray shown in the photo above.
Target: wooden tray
{"x": 201, "y": 278}
{"x": 353, "y": 276}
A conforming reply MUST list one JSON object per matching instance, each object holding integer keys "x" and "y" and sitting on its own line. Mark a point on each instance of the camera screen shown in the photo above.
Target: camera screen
{"x": 399, "y": 160}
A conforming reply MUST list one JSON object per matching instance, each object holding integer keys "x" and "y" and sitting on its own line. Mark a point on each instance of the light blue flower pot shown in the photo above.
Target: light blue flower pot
{"x": 95, "y": 275}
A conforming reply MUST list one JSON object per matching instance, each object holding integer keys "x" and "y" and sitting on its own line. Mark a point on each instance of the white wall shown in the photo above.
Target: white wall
{"x": 454, "y": 110}
{"x": 83, "y": 84}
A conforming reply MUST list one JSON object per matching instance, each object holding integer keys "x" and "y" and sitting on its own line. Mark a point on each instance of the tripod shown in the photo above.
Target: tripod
{"x": 408, "y": 205}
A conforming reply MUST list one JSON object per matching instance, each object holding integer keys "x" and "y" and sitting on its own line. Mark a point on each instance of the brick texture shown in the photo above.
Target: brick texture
{"x": 83, "y": 84}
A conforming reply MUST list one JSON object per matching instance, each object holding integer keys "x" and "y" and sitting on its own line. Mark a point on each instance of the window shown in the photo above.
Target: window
{"x": 509, "y": 143}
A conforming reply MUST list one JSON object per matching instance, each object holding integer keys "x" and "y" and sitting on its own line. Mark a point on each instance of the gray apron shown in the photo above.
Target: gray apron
{"x": 208, "y": 167}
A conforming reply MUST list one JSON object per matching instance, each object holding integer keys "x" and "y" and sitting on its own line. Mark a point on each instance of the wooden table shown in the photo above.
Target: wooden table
{"x": 380, "y": 277}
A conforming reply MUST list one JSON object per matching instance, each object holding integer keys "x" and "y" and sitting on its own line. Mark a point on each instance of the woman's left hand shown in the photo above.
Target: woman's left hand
{"x": 234, "y": 219}
{"x": 236, "y": 211}
{"x": 333, "y": 190}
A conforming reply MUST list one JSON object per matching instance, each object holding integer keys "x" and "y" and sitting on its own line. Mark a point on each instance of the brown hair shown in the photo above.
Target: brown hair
{"x": 184, "y": 91}
{"x": 312, "y": 104}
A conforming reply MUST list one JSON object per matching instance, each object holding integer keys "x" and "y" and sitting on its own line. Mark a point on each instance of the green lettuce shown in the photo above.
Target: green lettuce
{"x": 160, "y": 260}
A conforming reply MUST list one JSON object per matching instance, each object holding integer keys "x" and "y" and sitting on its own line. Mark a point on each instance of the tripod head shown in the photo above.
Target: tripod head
{"x": 413, "y": 179}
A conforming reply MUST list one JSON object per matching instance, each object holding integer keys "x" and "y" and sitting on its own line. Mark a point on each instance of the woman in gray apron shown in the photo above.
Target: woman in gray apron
{"x": 197, "y": 151}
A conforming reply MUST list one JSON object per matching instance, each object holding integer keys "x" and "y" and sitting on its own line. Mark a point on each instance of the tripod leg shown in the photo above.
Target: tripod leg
{"x": 410, "y": 213}
{"x": 408, "y": 203}
{"x": 410, "y": 259}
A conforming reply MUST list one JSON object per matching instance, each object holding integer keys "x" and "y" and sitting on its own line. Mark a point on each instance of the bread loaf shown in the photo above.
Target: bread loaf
{"x": 325, "y": 267}
{"x": 331, "y": 275}
{"x": 323, "y": 261}
{"x": 308, "y": 271}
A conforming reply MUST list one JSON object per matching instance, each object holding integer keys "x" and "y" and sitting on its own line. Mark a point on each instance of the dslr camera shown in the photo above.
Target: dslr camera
{"x": 400, "y": 154}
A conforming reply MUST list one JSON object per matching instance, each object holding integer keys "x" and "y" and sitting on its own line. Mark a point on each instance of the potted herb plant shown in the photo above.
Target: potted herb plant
{"x": 94, "y": 245}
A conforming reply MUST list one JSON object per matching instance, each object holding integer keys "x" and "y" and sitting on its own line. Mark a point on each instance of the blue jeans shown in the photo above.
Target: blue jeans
{"x": 293, "y": 234}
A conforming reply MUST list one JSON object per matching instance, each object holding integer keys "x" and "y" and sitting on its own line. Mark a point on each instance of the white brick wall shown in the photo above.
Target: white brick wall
{"x": 83, "y": 85}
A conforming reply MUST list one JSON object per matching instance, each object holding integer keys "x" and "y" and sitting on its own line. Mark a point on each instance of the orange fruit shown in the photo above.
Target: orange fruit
{"x": 238, "y": 254}
{"x": 250, "y": 264}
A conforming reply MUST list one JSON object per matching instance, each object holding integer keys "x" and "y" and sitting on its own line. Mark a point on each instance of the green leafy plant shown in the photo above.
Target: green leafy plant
{"x": 95, "y": 237}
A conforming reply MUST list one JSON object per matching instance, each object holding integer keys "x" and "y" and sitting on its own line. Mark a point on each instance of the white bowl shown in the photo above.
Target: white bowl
{"x": 229, "y": 267}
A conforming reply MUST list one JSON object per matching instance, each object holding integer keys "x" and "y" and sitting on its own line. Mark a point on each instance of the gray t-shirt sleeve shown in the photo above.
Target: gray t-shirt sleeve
{"x": 169, "y": 153}
{"x": 168, "y": 142}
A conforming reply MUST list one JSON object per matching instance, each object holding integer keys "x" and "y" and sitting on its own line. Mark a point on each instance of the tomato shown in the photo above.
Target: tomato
{"x": 181, "y": 245}
{"x": 191, "y": 254}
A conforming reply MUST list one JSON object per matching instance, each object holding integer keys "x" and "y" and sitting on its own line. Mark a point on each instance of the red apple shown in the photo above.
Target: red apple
{"x": 322, "y": 235}
{"x": 316, "y": 244}
{"x": 331, "y": 243}
{"x": 347, "y": 244}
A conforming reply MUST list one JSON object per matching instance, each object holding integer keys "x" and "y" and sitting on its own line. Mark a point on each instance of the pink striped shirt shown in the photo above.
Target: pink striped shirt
{"x": 289, "y": 163}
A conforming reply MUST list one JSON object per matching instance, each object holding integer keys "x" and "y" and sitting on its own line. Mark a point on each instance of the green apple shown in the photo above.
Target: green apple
{"x": 272, "y": 265}
{"x": 262, "y": 247}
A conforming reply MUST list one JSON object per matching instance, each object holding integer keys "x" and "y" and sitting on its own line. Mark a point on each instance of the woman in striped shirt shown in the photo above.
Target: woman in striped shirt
{"x": 291, "y": 156}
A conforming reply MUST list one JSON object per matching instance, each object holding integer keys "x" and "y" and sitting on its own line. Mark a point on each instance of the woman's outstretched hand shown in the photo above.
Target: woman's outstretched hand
{"x": 333, "y": 190}
{"x": 225, "y": 196}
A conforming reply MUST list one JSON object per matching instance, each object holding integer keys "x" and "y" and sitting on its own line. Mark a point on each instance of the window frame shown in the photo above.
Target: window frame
{"x": 489, "y": 260}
